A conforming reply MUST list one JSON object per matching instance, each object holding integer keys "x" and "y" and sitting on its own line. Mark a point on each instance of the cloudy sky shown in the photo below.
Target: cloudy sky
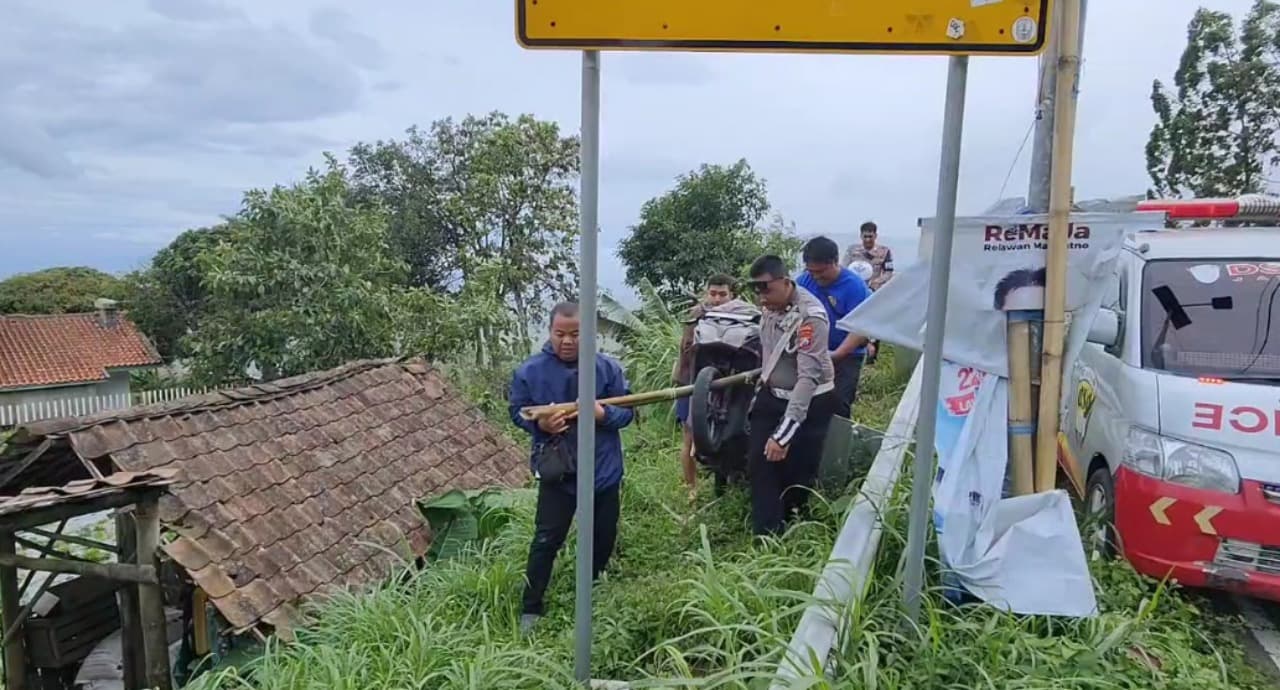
{"x": 124, "y": 122}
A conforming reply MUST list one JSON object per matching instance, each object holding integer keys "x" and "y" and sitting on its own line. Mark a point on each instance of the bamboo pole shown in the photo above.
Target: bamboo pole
{"x": 536, "y": 412}
{"x": 1056, "y": 259}
{"x": 1021, "y": 411}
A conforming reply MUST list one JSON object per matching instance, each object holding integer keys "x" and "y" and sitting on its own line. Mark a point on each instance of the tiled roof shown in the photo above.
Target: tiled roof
{"x": 288, "y": 488}
{"x": 68, "y": 348}
{"x": 82, "y": 490}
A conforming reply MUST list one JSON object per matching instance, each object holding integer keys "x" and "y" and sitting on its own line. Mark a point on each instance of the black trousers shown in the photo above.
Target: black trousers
{"x": 848, "y": 373}
{"x": 557, "y": 504}
{"x": 781, "y": 488}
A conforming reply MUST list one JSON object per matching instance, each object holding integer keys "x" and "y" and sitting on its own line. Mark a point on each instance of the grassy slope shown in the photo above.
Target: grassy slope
{"x": 688, "y": 595}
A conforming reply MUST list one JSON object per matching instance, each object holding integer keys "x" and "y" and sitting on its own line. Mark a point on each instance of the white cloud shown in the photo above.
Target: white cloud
{"x": 182, "y": 104}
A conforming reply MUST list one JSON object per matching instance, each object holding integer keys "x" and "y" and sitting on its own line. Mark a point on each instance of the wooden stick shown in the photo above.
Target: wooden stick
{"x": 1055, "y": 296}
{"x": 20, "y": 466}
{"x": 26, "y": 582}
{"x": 1021, "y": 414}
{"x": 110, "y": 571}
{"x": 72, "y": 539}
{"x": 536, "y": 412}
{"x": 155, "y": 638}
{"x": 127, "y": 597}
{"x": 15, "y": 658}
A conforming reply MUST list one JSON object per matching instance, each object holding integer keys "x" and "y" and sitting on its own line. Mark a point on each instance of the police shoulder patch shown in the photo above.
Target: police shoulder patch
{"x": 804, "y": 337}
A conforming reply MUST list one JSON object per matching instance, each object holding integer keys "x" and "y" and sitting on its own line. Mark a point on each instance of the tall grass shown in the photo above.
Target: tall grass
{"x": 691, "y": 601}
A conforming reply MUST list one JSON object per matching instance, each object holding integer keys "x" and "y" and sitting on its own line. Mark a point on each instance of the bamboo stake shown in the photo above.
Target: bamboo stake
{"x": 1056, "y": 259}
{"x": 536, "y": 412}
{"x": 1021, "y": 412}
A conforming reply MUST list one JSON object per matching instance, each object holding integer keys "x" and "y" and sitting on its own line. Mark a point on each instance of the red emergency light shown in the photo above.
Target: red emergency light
{"x": 1251, "y": 206}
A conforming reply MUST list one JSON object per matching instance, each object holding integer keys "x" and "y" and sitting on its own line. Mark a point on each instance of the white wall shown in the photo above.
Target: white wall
{"x": 75, "y": 400}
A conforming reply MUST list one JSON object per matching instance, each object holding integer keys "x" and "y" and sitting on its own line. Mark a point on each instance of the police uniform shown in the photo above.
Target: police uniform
{"x": 793, "y": 405}
{"x": 881, "y": 260}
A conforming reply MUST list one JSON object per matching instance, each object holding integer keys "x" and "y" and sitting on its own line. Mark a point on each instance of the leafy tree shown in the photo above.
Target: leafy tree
{"x": 480, "y": 194}
{"x": 306, "y": 280}
{"x": 167, "y": 299}
{"x": 59, "y": 290}
{"x": 1216, "y": 132}
{"x": 711, "y": 222}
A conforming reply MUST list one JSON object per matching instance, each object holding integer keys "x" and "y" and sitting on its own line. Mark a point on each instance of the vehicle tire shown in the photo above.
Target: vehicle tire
{"x": 1100, "y": 511}
{"x": 705, "y": 422}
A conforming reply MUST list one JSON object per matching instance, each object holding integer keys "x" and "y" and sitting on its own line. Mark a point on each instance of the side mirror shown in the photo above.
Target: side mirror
{"x": 1105, "y": 330}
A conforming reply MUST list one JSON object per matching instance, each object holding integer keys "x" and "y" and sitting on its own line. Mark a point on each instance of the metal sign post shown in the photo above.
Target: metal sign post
{"x": 935, "y": 324}
{"x": 587, "y": 360}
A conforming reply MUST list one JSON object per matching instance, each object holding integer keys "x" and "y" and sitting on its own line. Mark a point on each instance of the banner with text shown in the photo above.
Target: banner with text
{"x": 998, "y": 265}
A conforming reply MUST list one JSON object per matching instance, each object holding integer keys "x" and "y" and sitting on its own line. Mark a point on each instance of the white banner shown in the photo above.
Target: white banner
{"x": 998, "y": 265}
{"x": 1019, "y": 554}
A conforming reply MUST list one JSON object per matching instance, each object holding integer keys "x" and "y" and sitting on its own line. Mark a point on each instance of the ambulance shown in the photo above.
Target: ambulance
{"x": 1176, "y": 415}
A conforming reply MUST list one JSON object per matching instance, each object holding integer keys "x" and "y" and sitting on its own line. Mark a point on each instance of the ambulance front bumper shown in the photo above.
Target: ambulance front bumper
{"x": 1201, "y": 538}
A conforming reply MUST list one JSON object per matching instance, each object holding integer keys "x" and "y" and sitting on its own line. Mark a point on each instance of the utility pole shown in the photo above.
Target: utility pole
{"x": 1042, "y": 142}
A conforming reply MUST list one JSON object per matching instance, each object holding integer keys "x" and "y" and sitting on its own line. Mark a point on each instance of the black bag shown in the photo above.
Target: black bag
{"x": 555, "y": 460}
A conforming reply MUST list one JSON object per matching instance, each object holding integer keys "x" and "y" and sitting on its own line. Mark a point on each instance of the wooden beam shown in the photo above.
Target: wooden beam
{"x": 50, "y": 551}
{"x": 155, "y": 638}
{"x": 38, "y": 517}
{"x": 127, "y": 598}
{"x": 200, "y": 622}
{"x": 73, "y": 539}
{"x": 20, "y": 466}
{"x": 26, "y": 582}
{"x": 15, "y": 662}
{"x": 88, "y": 465}
{"x": 14, "y": 629}
{"x": 142, "y": 574}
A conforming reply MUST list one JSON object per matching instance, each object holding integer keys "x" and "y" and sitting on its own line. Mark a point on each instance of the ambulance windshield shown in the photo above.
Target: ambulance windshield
{"x": 1212, "y": 318}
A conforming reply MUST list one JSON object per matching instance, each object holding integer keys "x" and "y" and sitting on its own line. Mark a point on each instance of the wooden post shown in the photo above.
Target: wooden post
{"x": 1021, "y": 412}
{"x": 1055, "y": 295}
{"x": 155, "y": 639}
{"x": 15, "y": 661}
{"x": 127, "y": 598}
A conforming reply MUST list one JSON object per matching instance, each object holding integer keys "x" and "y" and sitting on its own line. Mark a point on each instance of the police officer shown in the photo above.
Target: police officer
{"x": 871, "y": 251}
{"x": 794, "y": 399}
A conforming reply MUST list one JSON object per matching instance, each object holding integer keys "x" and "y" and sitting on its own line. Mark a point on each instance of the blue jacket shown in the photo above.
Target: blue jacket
{"x": 839, "y": 298}
{"x": 544, "y": 379}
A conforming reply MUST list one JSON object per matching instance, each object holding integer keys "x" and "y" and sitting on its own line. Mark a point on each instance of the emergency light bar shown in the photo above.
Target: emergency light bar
{"x": 1247, "y": 206}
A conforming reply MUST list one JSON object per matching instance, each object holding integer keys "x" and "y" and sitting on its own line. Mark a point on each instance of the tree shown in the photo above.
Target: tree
{"x": 167, "y": 299}
{"x": 485, "y": 193}
{"x": 306, "y": 280}
{"x": 711, "y": 222}
{"x": 1216, "y": 133}
{"x": 59, "y": 290}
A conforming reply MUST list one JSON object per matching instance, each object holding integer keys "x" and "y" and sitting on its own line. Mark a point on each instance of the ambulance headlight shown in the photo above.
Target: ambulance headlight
{"x": 1181, "y": 462}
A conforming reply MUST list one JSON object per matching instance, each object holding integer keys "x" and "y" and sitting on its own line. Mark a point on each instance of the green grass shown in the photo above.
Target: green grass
{"x": 690, "y": 596}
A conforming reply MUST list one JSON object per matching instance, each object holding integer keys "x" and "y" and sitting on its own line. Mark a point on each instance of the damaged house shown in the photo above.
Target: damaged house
{"x": 273, "y": 494}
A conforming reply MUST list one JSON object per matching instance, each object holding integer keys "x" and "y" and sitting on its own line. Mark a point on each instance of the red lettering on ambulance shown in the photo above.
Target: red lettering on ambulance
{"x": 1259, "y": 420}
{"x": 1207, "y": 416}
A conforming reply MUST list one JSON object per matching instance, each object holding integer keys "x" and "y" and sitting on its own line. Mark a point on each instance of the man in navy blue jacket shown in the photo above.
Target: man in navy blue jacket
{"x": 550, "y": 377}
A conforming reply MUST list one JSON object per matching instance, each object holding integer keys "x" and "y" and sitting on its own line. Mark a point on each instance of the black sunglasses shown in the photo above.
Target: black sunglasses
{"x": 761, "y": 286}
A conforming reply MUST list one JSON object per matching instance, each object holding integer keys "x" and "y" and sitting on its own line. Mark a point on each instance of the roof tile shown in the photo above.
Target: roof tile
{"x": 283, "y": 484}
{"x": 68, "y": 348}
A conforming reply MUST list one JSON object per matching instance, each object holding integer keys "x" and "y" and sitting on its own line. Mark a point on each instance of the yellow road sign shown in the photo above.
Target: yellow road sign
{"x": 1157, "y": 509}
{"x": 1205, "y": 518}
{"x": 954, "y": 27}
